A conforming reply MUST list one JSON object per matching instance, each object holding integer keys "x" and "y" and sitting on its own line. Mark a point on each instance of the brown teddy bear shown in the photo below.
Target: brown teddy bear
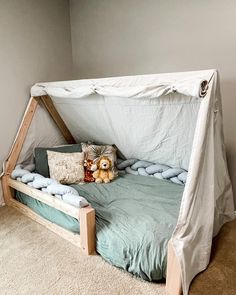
{"x": 89, "y": 168}
{"x": 104, "y": 170}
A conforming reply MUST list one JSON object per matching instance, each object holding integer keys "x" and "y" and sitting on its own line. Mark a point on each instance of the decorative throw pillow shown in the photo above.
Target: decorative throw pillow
{"x": 66, "y": 168}
{"x": 94, "y": 152}
{"x": 41, "y": 158}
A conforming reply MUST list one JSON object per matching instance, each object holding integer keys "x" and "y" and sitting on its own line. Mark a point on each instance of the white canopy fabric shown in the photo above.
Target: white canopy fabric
{"x": 173, "y": 119}
{"x": 207, "y": 201}
{"x": 153, "y": 106}
{"x": 78, "y": 89}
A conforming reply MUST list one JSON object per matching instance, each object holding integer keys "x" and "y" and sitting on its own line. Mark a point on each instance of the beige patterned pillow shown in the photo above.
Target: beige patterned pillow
{"x": 66, "y": 168}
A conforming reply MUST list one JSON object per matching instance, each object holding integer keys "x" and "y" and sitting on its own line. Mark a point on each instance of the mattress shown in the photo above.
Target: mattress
{"x": 135, "y": 218}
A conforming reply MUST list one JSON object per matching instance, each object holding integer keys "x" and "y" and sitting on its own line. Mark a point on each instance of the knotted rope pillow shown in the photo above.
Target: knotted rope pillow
{"x": 146, "y": 168}
{"x": 66, "y": 193}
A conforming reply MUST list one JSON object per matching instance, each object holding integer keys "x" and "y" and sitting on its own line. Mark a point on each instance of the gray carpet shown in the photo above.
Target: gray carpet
{"x": 35, "y": 261}
{"x": 220, "y": 276}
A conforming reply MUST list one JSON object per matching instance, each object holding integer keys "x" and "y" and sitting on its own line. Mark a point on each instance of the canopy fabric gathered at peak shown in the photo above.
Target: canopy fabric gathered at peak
{"x": 126, "y": 87}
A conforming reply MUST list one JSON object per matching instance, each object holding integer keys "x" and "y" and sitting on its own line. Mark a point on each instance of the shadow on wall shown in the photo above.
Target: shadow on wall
{"x": 228, "y": 91}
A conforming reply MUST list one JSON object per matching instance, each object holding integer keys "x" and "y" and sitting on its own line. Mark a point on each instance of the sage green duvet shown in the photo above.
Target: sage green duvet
{"x": 135, "y": 218}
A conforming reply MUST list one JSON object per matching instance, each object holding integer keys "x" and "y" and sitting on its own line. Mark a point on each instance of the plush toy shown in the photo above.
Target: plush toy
{"x": 89, "y": 168}
{"x": 104, "y": 170}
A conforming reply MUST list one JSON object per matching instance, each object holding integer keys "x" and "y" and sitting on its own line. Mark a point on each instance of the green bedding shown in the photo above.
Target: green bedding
{"x": 49, "y": 213}
{"x": 135, "y": 218}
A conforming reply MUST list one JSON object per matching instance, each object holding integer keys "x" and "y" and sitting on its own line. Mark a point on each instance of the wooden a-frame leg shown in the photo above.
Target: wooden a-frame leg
{"x": 87, "y": 230}
{"x": 16, "y": 149}
{"x": 28, "y": 116}
{"x": 8, "y": 192}
{"x": 21, "y": 135}
{"x": 48, "y": 103}
{"x": 173, "y": 275}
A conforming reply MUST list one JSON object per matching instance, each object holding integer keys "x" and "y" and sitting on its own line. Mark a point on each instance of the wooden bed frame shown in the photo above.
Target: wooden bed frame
{"x": 86, "y": 216}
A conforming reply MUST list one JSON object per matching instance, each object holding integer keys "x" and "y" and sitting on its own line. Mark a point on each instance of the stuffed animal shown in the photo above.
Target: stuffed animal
{"x": 89, "y": 168}
{"x": 104, "y": 170}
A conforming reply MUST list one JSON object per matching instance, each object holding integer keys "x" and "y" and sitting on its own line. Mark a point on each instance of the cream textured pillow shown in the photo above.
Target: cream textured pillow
{"x": 66, "y": 168}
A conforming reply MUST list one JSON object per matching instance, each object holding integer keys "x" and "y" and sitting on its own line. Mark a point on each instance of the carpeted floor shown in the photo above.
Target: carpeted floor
{"x": 35, "y": 261}
{"x": 220, "y": 276}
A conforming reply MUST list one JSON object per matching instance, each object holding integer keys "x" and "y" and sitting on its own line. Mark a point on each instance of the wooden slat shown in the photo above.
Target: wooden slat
{"x": 21, "y": 135}
{"x": 48, "y": 103}
{"x": 87, "y": 230}
{"x": 173, "y": 276}
{"x": 45, "y": 198}
{"x": 65, "y": 234}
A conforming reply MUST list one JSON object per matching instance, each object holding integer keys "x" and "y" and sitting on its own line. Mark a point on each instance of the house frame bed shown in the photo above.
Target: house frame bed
{"x": 190, "y": 101}
{"x": 86, "y": 216}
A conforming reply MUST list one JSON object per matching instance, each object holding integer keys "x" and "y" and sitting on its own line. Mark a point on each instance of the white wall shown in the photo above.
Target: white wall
{"x": 35, "y": 45}
{"x": 111, "y": 38}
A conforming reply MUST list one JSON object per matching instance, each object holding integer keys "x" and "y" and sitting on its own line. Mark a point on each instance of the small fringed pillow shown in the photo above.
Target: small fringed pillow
{"x": 66, "y": 168}
{"x": 95, "y": 152}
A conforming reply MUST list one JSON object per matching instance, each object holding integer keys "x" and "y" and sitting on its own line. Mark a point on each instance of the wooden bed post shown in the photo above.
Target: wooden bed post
{"x": 173, "y": 274}
{"x": 87, "y": 230}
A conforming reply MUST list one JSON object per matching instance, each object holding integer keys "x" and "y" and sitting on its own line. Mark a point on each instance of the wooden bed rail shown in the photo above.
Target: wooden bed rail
{"x": 86, "y": 215}
{"x": 44, "y": 197}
